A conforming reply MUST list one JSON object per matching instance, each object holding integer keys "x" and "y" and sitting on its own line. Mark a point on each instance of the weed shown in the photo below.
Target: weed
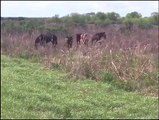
{"x": 129, "y": 59}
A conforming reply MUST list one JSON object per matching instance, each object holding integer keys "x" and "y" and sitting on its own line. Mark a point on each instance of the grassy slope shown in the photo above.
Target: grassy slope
{"x": 30, "y": 91}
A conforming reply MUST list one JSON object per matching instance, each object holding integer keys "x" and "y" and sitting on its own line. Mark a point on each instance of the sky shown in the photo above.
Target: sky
{"x": 63, "y": 8}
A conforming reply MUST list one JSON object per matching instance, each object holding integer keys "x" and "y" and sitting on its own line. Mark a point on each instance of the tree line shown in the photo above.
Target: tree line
{"x": 61, "y": 24}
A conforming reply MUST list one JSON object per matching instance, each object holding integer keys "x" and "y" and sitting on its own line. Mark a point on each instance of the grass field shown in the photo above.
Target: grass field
{"x": 31, "y": 91}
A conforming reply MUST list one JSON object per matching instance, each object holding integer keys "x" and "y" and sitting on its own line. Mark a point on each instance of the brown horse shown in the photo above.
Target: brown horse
{"x": 97, "y": 37}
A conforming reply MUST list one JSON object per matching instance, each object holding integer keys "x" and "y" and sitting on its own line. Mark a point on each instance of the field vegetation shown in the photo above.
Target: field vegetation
{"x": 117, "y": 79}
{"x": 29, "y": 90}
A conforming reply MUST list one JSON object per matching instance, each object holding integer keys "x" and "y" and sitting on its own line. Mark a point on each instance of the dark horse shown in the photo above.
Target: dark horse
{"x": 42, "y": 39}
{"x": 69, "y": 41}
{"x": 78, "y": 38}
{"x": 97, "y": 37}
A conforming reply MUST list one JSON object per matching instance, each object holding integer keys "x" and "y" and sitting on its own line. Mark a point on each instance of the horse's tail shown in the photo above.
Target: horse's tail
{"x": 55, "y": 41}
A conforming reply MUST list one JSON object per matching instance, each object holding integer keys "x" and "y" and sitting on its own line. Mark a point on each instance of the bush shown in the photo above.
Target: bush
{"x": 88, "y": 71}
{"x": 143, "y": 23}
{"x": 108, "y": 77}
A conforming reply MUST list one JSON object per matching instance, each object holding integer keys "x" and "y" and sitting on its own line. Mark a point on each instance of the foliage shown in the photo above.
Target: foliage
{"x": 21, "y": 24}
{"x": 133, "y": 15}
{"x": 154, "y": 18}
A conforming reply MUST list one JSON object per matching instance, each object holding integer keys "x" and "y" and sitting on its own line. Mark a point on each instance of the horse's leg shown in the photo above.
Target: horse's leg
{"x": 87, "y": 42}
{"x": 36, "y": 46}
{"x": 77, "y": 43}
{"x": 44, "y": 44}
{"x": 52, "y": 44}
{"x": 41, "y": 44}
{"x": 96, "y": 41}
{"x": 68, "y": 45}
{"x": 92, "y": 41}
{"x": 55, "y": 43}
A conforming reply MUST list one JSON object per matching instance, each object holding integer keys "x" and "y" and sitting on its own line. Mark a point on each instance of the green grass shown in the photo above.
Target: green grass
{"x": 31, "y": 91}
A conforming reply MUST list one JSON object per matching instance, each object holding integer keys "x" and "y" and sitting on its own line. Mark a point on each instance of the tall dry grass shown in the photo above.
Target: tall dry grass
{"x": 128, "y": 59}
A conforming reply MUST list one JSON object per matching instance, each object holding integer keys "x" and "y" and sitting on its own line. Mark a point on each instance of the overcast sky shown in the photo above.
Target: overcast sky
{"x": 62, "y": 8}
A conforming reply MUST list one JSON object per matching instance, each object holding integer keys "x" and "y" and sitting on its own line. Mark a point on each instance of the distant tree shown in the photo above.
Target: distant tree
{"x": 154, "y": 18}
{"x": 90, "y": 14}
{"x": 21, "y": 18}
{"x": 133, "y": 15}
{"x": 114, "y": 17}
{"x": 101, "y": 16}
{"x": 56, "y": 18}
{"x": 154, "y": 14}
{"x": 74, "y": 14}
{"x": 128, "y": 24}
{"x": 78, "y": 19}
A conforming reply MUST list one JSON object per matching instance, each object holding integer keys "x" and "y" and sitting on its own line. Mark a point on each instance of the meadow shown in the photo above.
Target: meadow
{"x": 29, "y": 90}
{"x": 128, "y": 59}
{"x": 117, "y": 79}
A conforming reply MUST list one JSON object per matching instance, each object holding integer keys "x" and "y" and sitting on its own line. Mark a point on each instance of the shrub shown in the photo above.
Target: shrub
{"x": 108, "y": 77}
{"x": 88, "y": 71}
